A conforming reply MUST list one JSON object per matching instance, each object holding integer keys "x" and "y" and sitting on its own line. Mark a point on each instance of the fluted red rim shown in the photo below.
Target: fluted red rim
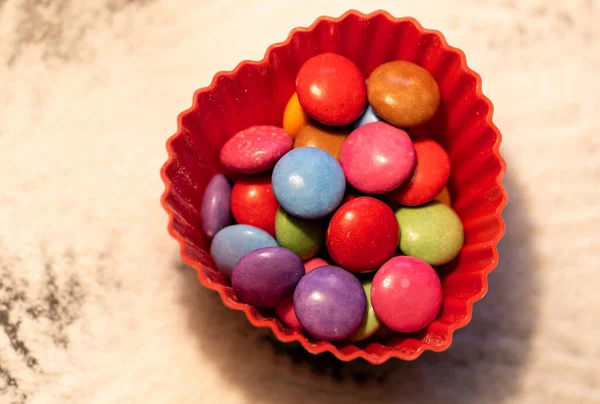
{"x": 324, "y": 346}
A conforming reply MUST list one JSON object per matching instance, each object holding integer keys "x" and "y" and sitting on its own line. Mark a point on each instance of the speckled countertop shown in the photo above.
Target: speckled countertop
{"x": 95, "y": 306}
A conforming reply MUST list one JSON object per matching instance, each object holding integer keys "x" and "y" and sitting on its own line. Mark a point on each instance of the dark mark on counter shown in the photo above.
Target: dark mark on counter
{"x": 51, "y": 308}
{"x": 59, "y": 28}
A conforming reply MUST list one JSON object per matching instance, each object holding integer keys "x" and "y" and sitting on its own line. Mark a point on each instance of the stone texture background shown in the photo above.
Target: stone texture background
{"x": 95, "y": 306}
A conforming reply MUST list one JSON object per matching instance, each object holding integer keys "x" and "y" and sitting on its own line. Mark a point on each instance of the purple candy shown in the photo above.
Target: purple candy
{"x": 215, "y": 205}
{"x": 267, "y": 276}
{"x": 330, "y": 303}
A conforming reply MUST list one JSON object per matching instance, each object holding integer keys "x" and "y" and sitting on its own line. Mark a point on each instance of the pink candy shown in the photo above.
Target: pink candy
{"x": 314, "y": 263}
{"x": 377, "y": 158}
{"x": 286, "y": 313}
{"x": 406, "y": 294}
{"x": 256, "y": 149}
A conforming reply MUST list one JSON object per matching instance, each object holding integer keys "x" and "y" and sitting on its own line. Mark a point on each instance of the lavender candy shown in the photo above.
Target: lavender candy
{"x": 215, "y": 212}
{"x": 330, "y": 303}
{"x": 267, "y": 276}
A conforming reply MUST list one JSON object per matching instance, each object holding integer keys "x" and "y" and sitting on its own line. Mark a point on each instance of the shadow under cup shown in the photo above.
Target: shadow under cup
{"x": 255, "y": 93}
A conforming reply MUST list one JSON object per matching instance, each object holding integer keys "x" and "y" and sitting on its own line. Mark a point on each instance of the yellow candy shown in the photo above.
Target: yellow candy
{"x": 294, "y": 117}
{"x": 444, "y": 197}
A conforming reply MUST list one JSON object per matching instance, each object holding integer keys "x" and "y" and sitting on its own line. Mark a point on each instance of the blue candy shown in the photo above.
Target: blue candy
{"x": 233, "y": 242}
{"x": 308, "y": 183}
{"x": 367, "y": 117}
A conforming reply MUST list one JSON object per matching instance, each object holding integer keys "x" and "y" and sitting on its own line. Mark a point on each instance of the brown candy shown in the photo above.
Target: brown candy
{"x": 322, "y": 137}
{"x": 403, "y": 93}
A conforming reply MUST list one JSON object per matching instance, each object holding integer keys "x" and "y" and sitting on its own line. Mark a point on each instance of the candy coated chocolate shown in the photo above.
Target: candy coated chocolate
{"x": 294, "y": 117}
{"x": 314, "y": 263}
{"x": 233, "y": 242}
{"x": 444, "y": 197}
{"x": 328, "y": 138}
{"x": 406, "y": 294}
{"x": 403, "y": 93}
{"x": 267, "y": 276}
{"x": 368, "y": 116}
{"x": 432, "y": 232}
{"x": 285, "y": 311}
{"x": 362, "y": 234}
{"x": 302, "y": 236}
{"x": 377, "y": 158}
{"x": 215, "y": 205}
{"x": 255, "y": 149}
{"x": 371, "y": 323}
{"x": 308, "y": 183}
{"x": 331, "y": 89}
{"x": 253, "y": 202}
{"x": 431, "y": 173}
{"x": 330, "y": 303}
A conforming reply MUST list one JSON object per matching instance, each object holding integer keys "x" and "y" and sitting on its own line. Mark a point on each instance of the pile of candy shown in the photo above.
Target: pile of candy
{"x": 335, "y": 260}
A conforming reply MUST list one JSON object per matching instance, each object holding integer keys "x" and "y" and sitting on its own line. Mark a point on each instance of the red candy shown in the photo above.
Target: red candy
{"x": 331, "y": 89}
{"x": 285, "y": 311}
{"x": 406, "y": 294}
{"x": 362, "y": 234}
{"x": 348, "y": 197}
{"x": 253, "y": 202}
{"x": 429, "y": 177}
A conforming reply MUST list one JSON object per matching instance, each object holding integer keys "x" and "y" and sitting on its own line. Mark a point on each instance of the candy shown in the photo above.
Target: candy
{"x": 330, "y": 303}
{"x": 371, "y": 323}
{"x": 215, "y": 205}
{"x": 308, "y": 183}
{"x": 255, "y": 149}
{"x": 431, "y": 174}
{"x": 368, "y": 116}
{"x": 406, "y": 294}
{"x": 377, "y": 158}
{"x": 303, "y": 237}
{"x": 285, "y": 311}
{"x": 319, "y": 176}
{"x": 331, "y": 89}
{"x": 403, "y": 93}
{"x": 444, "y": 197}
{"x": 331, "y": 139}
{"x": 253, "y": 202}
{"x": 233, "y": 242}
{"x": 294, "y": 117}
{"x": 362, "y": 234}
{"x": 432, "y": 232}
{"x": 267, "y": 276}
{"x": 314, "y": 263}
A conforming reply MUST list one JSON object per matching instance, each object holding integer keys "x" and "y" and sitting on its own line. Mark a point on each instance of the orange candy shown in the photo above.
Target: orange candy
{"x": 444, "y": 197}
{"x": 328, "y": 138}
{"x": 294, "y": 117}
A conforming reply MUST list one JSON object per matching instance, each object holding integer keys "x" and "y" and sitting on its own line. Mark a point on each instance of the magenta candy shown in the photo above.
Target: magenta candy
{"x": 330, "y": 303}
{"x": 216, "y": 202}
{"x": 267, "y": 276}
{"x": 406, "y": 294}
{"x": 377, "y": 158}
{"x": 255, "y": 149}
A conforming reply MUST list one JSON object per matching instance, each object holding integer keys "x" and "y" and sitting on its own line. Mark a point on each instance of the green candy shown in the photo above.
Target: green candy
{"x": 301, "y": 236}
{"x": 371, "y": 323}
{"x": 432, "y": 232}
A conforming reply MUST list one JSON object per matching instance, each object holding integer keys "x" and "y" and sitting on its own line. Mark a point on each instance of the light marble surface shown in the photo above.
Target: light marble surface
{"x": 95, "y": 306}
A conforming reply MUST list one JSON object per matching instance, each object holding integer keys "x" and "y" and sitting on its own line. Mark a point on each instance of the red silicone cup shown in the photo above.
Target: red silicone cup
{"x": 258, "y": 91}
